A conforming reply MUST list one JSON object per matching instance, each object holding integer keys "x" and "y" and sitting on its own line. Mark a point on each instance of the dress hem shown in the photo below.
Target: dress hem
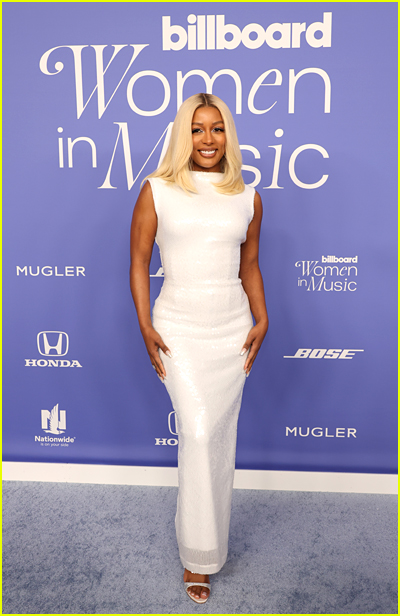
{"x": 203, "y": 569}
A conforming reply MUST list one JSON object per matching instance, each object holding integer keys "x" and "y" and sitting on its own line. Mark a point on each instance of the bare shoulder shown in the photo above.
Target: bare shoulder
{"x": 257, "y": 199}
{"x": 145, "y": 198}
{"x": 258, "y": 208}
{"x": 145, "y": 203}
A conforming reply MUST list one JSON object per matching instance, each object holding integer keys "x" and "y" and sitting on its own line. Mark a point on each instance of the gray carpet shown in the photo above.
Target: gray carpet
{"x": 92, "y": 549}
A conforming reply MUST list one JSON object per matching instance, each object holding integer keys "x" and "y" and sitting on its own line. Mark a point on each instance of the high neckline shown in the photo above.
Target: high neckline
{"x": 207, "y": 175}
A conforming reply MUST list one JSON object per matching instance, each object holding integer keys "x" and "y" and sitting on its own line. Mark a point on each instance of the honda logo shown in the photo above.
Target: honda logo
{"x": 52, "y": 343}
{"x": 172, "y": 423}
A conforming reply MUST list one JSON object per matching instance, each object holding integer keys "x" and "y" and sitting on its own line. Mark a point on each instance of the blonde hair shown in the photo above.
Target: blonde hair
{"x": 176, "y": 165}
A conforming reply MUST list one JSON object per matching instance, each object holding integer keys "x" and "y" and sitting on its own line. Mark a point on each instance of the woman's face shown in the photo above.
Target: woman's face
{"x": 208, "y": 134}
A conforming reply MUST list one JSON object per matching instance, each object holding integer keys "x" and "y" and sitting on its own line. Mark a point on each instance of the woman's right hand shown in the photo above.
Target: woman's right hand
{"x": 154, "y": 342}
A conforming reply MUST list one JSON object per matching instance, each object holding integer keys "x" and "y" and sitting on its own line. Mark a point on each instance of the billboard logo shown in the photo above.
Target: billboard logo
{"x": 52, "y": 345}
{"x": 333, "y": 259}
{"x": 172, "y": 427}
{"x": 54, "y": 421}
{"x": 59, "y": 346}
{"x": 211, "y": 32}
{"x": 324, "y": 354}
{"x": 333, "y": 277}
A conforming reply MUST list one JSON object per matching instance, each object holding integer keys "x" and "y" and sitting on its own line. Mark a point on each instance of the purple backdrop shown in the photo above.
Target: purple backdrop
{"x": 90, "y": 90}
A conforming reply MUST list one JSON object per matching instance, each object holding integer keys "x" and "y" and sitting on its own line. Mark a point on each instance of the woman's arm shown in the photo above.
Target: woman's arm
{"x": 253, "y": 285}
{"x": 143, "y": 232}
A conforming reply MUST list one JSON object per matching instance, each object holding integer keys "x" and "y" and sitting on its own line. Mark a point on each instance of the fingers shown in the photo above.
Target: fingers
{"x": 154, "y": 343}
{"x": 250, "y": 360}
{"x": 156, "y": 359}
{"x": 158, "y": 366}
{"x": 249, "y": 340}
{"x": 165, "y": 349}
{"x": 254, "y": 346}
{"x": 249, "y": 344}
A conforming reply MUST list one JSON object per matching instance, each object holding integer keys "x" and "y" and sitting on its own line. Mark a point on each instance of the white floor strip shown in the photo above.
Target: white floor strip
{"x": 298, "y": 481}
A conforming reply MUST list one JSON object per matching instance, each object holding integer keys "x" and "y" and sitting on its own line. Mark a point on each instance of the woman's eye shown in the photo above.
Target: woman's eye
{"x": 195, "y": 130}
{"x": 218, "y": 129}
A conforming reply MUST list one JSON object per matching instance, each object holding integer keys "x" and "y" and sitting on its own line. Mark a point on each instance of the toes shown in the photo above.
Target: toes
{"x": 199, "y": 592}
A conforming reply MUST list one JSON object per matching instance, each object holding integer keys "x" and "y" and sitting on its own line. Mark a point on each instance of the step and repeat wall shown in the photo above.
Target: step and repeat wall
{"x": 90, "y": 93}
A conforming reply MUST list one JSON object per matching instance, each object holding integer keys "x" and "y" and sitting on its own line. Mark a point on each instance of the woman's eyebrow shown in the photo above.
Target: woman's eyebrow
{"x": 202, "y": 123}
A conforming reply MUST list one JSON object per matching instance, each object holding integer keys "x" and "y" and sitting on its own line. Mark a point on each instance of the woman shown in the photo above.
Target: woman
{"x": 201, "y": 341}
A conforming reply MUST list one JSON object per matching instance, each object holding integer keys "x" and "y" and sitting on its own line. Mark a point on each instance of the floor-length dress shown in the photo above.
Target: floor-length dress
{"x": 203, "y": 315}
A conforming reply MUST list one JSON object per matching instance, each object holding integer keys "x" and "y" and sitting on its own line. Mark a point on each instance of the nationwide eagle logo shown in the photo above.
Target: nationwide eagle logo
{"x": 54, "y": 421}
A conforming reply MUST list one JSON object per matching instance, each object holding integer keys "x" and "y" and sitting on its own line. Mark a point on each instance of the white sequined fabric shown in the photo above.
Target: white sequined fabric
{"x": 203, "y": 315}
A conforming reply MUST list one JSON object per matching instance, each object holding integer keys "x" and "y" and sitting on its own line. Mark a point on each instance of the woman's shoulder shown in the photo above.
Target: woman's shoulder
{"x": 248, "y": 193}
{"x": 251, "y": 192}
{"x": 249, "y": 189}
{"x": 150, "y": 181}
{"x": 161, "y": 192}
{"x": 159, "y": 183}
{"x": 257, "y": 196}
{"x": 152, "y": 186}
{"x": 146, "y": 194}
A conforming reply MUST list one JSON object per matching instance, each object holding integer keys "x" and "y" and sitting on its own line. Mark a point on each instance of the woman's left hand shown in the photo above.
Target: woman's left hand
{"x": 253, "y": 342}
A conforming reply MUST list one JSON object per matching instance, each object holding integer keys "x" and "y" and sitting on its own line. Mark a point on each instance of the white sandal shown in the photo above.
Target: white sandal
{"x": 203, "y": 584}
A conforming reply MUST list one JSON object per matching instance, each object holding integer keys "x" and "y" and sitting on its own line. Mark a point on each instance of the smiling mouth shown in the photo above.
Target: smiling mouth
{"x": 207, "y": 153}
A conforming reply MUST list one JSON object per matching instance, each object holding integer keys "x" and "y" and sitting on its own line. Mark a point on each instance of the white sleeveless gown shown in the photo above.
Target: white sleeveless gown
{"x": 203, "y": 315}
